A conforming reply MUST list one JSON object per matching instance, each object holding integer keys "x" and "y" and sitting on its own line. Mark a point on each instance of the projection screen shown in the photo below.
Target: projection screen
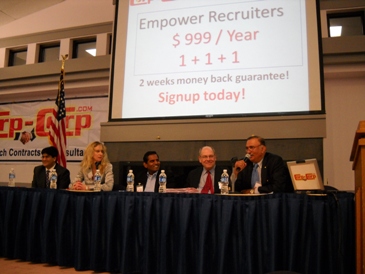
{"x": 175, "y": 59}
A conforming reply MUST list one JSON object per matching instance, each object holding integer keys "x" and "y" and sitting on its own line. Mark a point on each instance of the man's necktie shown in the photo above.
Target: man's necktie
{"x": 255, "y": 175}
{"x": 47, "y": 179}
{"x": 208, "y": 184}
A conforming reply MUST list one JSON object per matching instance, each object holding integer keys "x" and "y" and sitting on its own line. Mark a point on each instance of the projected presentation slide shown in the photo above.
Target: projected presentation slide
{"x": 215, "y": 58}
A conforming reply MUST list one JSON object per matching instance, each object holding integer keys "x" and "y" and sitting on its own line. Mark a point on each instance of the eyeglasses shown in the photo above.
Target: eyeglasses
{"x": 207, "y": 156}
{"x": 252, "y": 147}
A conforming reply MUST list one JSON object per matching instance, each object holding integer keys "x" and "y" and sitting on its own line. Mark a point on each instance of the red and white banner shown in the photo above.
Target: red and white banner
{"x": 24, "y": 127}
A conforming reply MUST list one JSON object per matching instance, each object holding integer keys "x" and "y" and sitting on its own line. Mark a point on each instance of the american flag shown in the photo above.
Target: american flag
{"x": 57, "y": 129}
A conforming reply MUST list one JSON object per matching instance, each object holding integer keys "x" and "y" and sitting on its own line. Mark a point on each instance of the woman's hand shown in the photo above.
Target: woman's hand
{"x": 79, "y": 186}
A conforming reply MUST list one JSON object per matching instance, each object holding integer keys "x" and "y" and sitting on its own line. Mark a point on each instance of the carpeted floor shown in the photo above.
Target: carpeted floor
{"x": 8, "y": 266}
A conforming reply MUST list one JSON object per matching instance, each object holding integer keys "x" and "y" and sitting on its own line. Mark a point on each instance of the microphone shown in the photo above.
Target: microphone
{"x": 234, "y": 160}
{"x": 97, "y": 164}
{"x": 245, "y": 159}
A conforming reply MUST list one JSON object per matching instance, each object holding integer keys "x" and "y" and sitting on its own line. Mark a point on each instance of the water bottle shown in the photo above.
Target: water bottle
{"x": 97, "y": 180}
{"x": 224, "y": 182}
{"x": 53, "y": 179}
{"x": 11, "y": 178}
{"x": 130, "y": 181}
{"x": 162, "y": 179}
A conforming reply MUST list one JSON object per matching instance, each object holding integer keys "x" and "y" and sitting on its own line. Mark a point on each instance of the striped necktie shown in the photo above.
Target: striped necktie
{"x": 47, "y": 179}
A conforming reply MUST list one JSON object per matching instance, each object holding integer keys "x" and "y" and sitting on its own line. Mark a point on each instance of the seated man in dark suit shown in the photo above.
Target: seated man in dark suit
{"x": 49, "y": 162}
{"x": 206, "y": 177}
{"x": 148, "y": 180}
{"x": 264, "y": 172}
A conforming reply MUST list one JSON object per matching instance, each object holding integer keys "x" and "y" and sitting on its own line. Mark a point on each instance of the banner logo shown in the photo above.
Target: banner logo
{"x": 24, "y": 127}
{"x": 20, "y": 128}
{"x": 139, "y": 2}
{"x": 305, "y": 177}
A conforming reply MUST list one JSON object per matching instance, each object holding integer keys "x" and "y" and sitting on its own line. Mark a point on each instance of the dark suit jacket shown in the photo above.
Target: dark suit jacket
{"x": 275, "y": 176}
{"x": 142, "y": 178}
{"x": 39, "y": 177}
{"x": 193, "y": 179}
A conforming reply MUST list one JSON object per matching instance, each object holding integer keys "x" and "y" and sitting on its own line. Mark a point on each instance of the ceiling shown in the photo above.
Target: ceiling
{"x": 11, "y": 10}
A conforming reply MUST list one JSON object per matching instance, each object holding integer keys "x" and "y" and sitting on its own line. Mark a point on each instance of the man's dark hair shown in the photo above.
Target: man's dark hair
{"x": 260, "y": 139}
{"x": 52, "y": 151}
{"x": 148, "y": 153}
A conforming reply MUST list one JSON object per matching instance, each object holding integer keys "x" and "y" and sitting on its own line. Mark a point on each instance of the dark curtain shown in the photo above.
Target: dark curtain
{"x": 179, "y": 233}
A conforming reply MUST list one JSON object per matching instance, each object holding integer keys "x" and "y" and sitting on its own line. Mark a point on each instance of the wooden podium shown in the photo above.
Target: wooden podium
{"x": 358, "y": 158}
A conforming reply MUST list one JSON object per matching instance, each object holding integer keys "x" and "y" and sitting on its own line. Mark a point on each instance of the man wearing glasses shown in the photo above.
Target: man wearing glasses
{"x": 264, "y": 172}
{"x": 206, "y": 177}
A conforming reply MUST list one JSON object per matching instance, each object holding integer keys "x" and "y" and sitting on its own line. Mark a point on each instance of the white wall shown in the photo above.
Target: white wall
{"x": 67, "y": 14}
{"x": 345, "y": 107}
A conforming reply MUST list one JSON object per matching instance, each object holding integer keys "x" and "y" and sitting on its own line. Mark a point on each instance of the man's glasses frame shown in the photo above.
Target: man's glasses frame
{"x": 252, "y": 147}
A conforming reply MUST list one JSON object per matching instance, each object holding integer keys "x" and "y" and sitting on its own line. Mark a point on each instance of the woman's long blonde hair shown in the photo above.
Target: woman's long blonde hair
{"x": 88, "y": 160}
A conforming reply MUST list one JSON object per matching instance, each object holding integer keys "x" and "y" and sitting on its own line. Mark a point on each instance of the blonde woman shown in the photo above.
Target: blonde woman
{"x": 95, "y": 158}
